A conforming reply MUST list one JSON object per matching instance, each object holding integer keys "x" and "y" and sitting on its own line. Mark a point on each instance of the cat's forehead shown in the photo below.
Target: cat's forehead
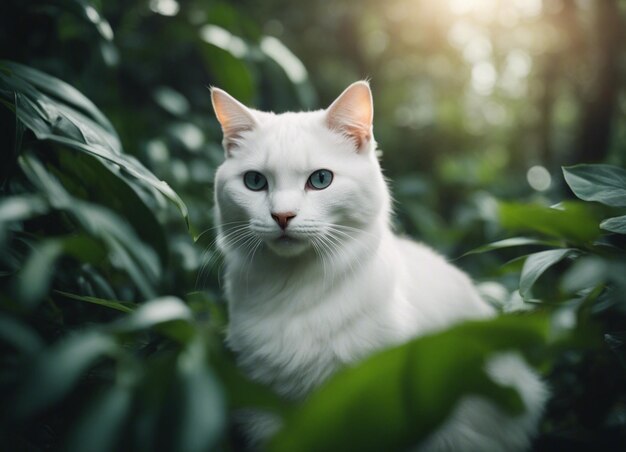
{"x": 294, "y": 140}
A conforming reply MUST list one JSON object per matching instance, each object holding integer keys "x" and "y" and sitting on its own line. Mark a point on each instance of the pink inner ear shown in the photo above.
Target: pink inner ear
{"x": 352, "y": 113}
{"x": 359, "y": 135}
{"x": 233, "y": 116}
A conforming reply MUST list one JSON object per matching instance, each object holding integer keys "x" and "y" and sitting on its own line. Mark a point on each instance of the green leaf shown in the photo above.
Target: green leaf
{"x": 508, "y": 243}
{"x": 536, "y": 264}
{"x": 98, "y": 429}
{"x": 573, "y": 221}
{"x": 33, "y": 280}
{"x": 153, "y": 313}
{"x": 19, "y": 335}
{"x": 598, "y": 182}
{"x": 49, "y": 119}
{"x": 202, "y": 417}
{"x": 58, "y": 89}
{"x": 56, "y": 370}
{"x": 104, "y": 184}
{"x": 128, "y": 252}
{"x": 229, "y": 72}
{"x": 586, "y": 272}
{"x": 395, "y": 398}
{"x": 615, "y": 224}
{"x": 19, "y": 208}
{"x": 242, "y": 391}
{"x": 122, "y": 306}
{"x": 72, "y": 120}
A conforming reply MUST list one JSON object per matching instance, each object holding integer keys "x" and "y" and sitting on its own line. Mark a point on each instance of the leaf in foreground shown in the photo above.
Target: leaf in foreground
{"x": 55, "y": 371}
{"x": 99, "y": 427}
{"x": 396, "y": 398}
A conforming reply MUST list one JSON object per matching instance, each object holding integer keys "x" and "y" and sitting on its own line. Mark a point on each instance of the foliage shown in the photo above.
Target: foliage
{"x": 111, "y": 317}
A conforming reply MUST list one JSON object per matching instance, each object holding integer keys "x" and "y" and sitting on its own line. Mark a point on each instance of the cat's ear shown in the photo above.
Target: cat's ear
{"x": 233, "y": 116}
{"x": 352, "y": 113}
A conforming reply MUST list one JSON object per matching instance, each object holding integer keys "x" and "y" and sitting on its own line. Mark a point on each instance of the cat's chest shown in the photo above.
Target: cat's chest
{"x": 296, "y": 352}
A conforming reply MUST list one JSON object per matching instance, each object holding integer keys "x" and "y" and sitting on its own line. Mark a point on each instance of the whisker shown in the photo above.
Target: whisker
{"x": 232, "y": 235}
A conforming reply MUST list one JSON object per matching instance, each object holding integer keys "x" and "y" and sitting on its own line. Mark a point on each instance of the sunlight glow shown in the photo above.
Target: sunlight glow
{"x": 490, "y": 8}
{"x": 484, "y": 78}
{"x": 461, "y": 7}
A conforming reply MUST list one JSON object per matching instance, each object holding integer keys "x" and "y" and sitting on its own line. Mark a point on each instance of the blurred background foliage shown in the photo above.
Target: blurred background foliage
{"x": 111, "y": 312}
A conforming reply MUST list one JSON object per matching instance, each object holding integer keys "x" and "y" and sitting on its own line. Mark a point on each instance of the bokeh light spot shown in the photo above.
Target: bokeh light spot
{"x": 539, "y": 178}
{"x": 165, "y": 7}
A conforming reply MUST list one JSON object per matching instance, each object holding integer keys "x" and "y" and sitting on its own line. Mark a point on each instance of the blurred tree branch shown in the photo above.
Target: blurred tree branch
{"x": 600, "y": 99}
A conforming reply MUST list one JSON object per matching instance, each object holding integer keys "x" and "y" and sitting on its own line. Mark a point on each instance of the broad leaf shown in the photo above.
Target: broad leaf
{"x": 56, "y": 370}
{"x": 98, "y": 428}
{"x": 128, "y": 251}
{"x": 573, "y": 221}
{"x": 101, "y": 182}
{"x": 59, "y": 90}
{"x": 599, "y": 182}
{"x": 536, "y": 264}
{"x": 397, "y": 397}
{"x": 203, "y": 408}
{"x": 72, "y": 120}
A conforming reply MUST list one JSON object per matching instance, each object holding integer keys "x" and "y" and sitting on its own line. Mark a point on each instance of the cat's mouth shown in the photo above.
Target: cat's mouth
{"x": 287, "y": 245}
{"x": 287, "y": 239}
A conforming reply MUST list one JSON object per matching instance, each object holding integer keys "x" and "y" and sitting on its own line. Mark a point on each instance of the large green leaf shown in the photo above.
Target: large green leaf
{"x": 102, "y": 183}
{"x": 242, "y": 391}
{"x": 536, "y": 264}
{"x": 397, "y": 397}
{"x": 72, "y": 120}
{"x": 573, "y": 221}
{"x": 202, "y": 414}
{"x": 98, "y": 429}
{"x": 58, "y": 89}
{"x": 127, "y": 250}
{"x": 229, "y": 72}
{"x": 599, "y": 182}
{"x": 56, "y": 370}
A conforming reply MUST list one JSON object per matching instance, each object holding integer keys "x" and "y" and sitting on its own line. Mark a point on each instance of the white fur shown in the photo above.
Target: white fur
{"x": 345, "y": 285}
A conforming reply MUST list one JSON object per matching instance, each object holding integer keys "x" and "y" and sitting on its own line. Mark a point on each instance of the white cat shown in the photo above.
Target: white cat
{"x": 316, "y": 279}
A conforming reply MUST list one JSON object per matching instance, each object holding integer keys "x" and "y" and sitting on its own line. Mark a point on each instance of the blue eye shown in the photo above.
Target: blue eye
{"x": 255, "y": 181}
{"x": 320, "y": 179}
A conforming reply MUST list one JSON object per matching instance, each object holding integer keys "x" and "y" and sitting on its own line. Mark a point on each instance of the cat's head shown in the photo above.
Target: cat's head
{"x": 293, "y": 182}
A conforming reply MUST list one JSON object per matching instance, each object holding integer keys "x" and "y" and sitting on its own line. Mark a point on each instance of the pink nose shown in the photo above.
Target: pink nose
{"x": 283, "y": 218}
